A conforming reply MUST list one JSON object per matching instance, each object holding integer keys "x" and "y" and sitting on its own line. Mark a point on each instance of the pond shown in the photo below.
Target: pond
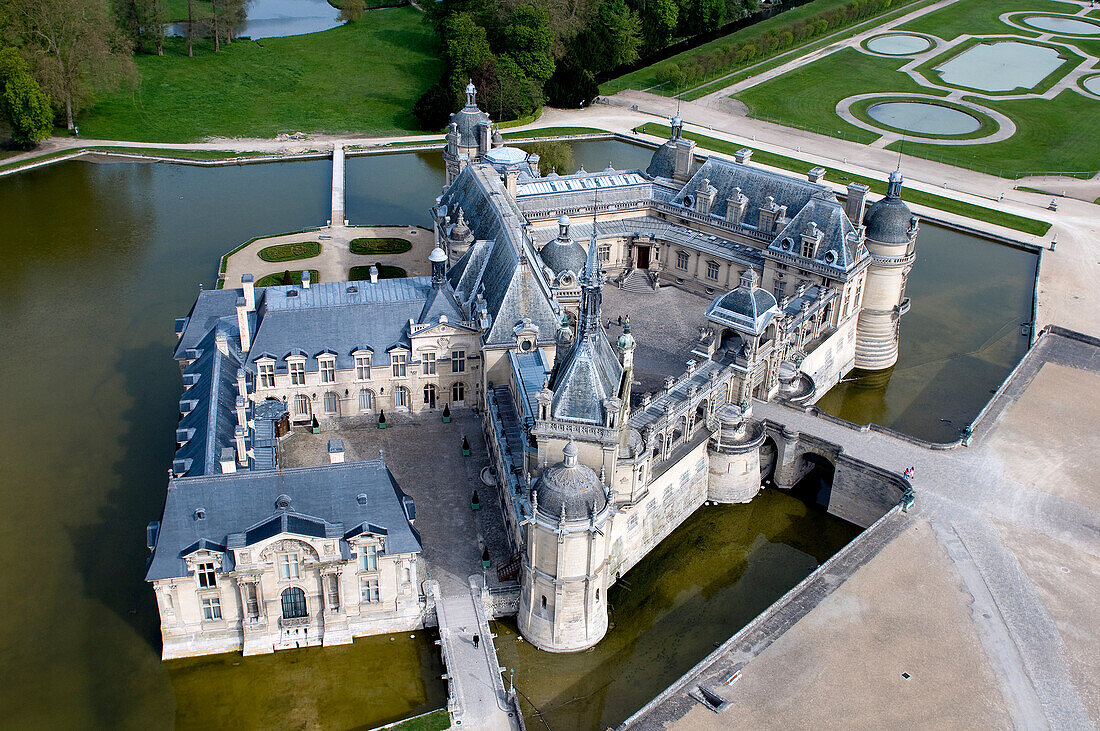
{"x": 924, "y": 118}
{"x": 1092, "y": 84}
{"x": 899, "y": 44}
{"x": 1001, "y": 66}
{"x": 1063, "y": 24}
{"x": 278, "y": 18}
{"x": 100, "y": 258}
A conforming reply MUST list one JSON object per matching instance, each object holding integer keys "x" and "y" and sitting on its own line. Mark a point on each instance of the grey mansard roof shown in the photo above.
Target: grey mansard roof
{"x": 342, "y": 317}
{"x": 756, "y": 185}
{"x": 502, "y": 267}
{"x": 240, "y": 509}
{"x": 840, "y": 247}
{"x": 207, "y": 404}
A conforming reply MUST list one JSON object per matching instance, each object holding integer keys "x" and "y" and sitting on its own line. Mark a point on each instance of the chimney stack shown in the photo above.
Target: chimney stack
{"x": 743, "y": 155}
{"x": 335, "y": 451}
{"x": 221, "y": 340}
{"x": 249, "y": 287}
{"x": 239, "y": 435}
{"x": 373, "y": 274}
{"x": 242, "y": 387}
{"x": 228, "y": 461}
{"x": 816, "y": 174}
{"x": 305, "y": 279}
{"x": 242, "y": 324}
{"x": 856, "y": 203}
{"x": 242, "y": 411}
{"x": 510, "y": 179}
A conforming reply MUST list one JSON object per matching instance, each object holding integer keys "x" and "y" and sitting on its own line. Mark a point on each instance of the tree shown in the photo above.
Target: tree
{"x": 22, "y": 101}
{"x": 529, "y": 41}
{"x": 74, "y": 49}
{"x": 614, "y": 37}
{"x": 352, "y": 10}
{"x": 467, "y": 47}
{"x": 434, "y": 106}
{"x": 571, "y": 86}
{"x": 659, "y": 22}
{"x": 553, "y": 156}
{"x": 154, "y": 21}
{"x": 504, "y": 90}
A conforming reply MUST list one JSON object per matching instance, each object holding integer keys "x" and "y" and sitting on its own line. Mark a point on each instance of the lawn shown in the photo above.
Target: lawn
{"x": 385, "y": 271}
{"x": 362, "y": 77}
{"x": 291, "y": 252}
{"x": 434, "y": 721}
{"x": 918, "y": 197}
{"x": 552, "y": 132}
{"x": 980, "y": 17}
{"x": 812, "y": 92}
{"x": 645, "y": 78}
{"x": 1051, "y": 137}
{"x": 295, "y": 277}
{"x": 379, "y": 246}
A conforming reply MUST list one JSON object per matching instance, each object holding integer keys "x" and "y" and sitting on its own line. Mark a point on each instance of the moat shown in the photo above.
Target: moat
{"x": 103, "y": 257}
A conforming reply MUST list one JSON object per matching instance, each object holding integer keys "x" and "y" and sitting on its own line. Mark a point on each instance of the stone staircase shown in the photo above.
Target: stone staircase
{"x": 638, "y": 281}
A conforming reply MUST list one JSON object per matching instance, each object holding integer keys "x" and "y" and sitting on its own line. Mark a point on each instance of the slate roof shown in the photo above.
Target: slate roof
{"x": 569, "y": 488}
{"x": 210, "y": 306}
{"x": 565, "y": 255}
{"x": 241, "y": 508}
{"x": 209, "y": 400}
{"x": 504, "y": 270}
{"x": 745, "y": 308}
{"x": 839, "y": 235}
{"x": 468, "y": 119}
{"x": 756, "y": 184}
{"x": 343, "y": 317}
{"x": 887, "y": 221}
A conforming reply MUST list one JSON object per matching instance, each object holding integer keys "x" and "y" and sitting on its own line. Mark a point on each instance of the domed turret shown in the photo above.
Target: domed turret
{"x": 459, "y": 238}
{"x": 569, "y": 490}
{"x": 891, "y": 237}
{"x": 563, "y": 253}
{"x": 745, "y": 309}
{"x": 563, "y": 601}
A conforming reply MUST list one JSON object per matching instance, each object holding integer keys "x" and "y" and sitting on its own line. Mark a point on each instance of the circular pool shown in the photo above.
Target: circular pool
{"x": 899, "y": 44}
{"x": 1092, "y": 85}
{"x": 924, "y": 118}
{"x": 1063, "y": 24}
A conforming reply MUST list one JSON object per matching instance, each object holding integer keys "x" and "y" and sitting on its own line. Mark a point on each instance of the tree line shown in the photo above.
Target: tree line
{"x": 522, "y": 54}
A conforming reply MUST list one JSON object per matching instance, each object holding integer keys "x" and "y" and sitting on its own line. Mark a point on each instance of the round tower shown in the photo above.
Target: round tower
{"x": 563, "y": 601}
{"x": 734, "y": 452}
{"x": 891, "y": 238}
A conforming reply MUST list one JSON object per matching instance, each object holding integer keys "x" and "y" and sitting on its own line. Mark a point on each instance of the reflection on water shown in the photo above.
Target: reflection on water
{"x": 278, "y": 18}
{"x": 702, "y": 584}
{"x": 961, "y": 338}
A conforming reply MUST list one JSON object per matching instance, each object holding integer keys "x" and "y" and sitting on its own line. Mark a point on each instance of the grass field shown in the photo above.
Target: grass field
{"x": 290, "y": 252}
{"x": 273, "y": 280}
{"x": 1050, "y": 138}
{"x": 434, "y": 721}
{"x": 979, "y": 213}
{"x": 812, "y": 92}
{"x": 379, "y": 246}
{"x": 645, "y": 78}
{"x": 385, "y": 271}
{"x": 362, "y": 77}
{"x": 980, "y": 17}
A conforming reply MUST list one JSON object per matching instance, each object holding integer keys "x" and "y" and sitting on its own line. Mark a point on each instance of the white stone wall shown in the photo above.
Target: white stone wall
{"x": 186, "y": 632}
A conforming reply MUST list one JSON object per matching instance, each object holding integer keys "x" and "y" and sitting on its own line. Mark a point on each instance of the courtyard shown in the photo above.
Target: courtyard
{"x": 425, "y": 456}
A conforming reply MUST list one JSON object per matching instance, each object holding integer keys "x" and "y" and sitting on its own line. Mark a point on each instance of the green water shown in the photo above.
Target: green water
{"x": 99, "y": 260}
{"x": 960, "y": 339}
{"x": 702, "y": 584}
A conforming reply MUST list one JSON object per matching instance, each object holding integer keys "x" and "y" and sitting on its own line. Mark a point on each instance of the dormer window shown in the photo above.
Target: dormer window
{"x": 297, "y": 372}
{"x": 267, "y": 374}
{"x": 808, "y": 246}
{"x": 362, "y": 367}
{"x": 327, "y": 367}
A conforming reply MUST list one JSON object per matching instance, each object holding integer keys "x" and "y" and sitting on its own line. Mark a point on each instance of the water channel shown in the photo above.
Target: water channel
{"x": 102, "y": 257}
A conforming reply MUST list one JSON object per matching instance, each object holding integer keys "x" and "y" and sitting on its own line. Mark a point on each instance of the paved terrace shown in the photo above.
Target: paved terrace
{"x": 977, "y": 609}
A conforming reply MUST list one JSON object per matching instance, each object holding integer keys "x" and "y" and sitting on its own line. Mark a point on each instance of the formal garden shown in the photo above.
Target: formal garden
{"x": 1003, "y": 88}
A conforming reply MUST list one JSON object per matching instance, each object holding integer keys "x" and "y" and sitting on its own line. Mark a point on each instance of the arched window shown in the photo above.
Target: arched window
{"x": 366, "y": 399}
{"x": 401, "y": 397}
{"x": 294, "y": 603}
{"x": 332, "y": 403}
{"x": 429, "y": 395}
{"x": 681, "y": 260}
{"x": 458, "y": 392}
{"x": 301, "y": 405}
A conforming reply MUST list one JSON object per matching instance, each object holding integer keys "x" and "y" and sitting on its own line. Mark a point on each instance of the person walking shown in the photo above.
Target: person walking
{"x": 477, "y": 640}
